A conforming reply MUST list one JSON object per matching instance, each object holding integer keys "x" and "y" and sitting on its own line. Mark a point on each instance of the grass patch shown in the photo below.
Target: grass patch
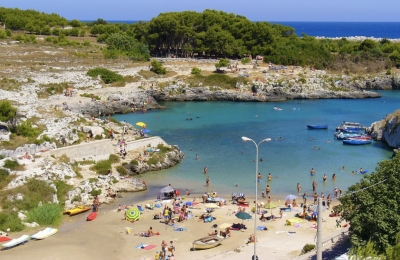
{"x": 147, "y": 74}
{"x": 130, "y": 79}
{"x": 95, "y": 192}
{"x": 85, "y": 162}
{"x": 90, "y": 96}
{"x": 220, "y": 80}
{"x": 106, "y": 75}
{"x": 47, "y": 214}
{"x": 33, "y": 192}
{"x": 5, "y": 178}
{"x": 13, "y": 165}
{"x": 47, "y": 90}
{"x": 122, "y": 170}
{"x": 102, "y": 166}
{"x": 64, "y": 159}
{"x": 11, "y": 221}
{"x": 62, "y": 190}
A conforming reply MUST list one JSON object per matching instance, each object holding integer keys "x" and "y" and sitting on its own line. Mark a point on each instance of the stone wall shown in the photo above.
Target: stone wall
{"x": 101, "y": 150}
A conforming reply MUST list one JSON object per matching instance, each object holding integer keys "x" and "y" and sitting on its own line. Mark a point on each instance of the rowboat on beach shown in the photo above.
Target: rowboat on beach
{"x": 207, "y": 242}
{"x": 44, "y": 233}
{"x": 15, "y": 242}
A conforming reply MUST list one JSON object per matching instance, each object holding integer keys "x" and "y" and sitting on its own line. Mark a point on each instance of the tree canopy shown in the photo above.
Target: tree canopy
{"x": 372, "y": 207}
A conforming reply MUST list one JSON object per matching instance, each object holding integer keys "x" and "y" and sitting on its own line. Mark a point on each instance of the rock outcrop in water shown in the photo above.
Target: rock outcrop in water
{"x": 387, "y": 130}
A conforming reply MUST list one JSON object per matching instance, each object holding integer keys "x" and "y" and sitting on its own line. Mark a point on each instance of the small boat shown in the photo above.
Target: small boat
{"x": 362, "y": 172}
{"x": 15, "y": 242}
{"x": 350, "y": 126}
{"x": 44, "y": 233}
{"x": 278, "y": 108}
{"x": 91, "y": 216}
{"x": 207, "y": 242}
{"x": 317, "y": 126}
{"x": 77, "y": 210}
{"x": 353, "y": 141}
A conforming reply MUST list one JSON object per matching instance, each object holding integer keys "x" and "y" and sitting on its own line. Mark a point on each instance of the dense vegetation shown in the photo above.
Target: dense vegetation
{"x": 371, "y": 206}
{"x": 210, "y": 34}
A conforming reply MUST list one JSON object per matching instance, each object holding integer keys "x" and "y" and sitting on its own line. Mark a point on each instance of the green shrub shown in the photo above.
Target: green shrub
{"x": 2, "y": 157}
{"x": 158, "y": 68}
{"x": 11, "y": 164}
{"x": 122, "y": 170}
{"x": 95, "y": 192}
{"x": 196, "y": 71}
{"x": 153, "y": 160}
{"x": 106, "y": 75}
{"x": 101, "y": 167}
{"x": 163, "y": 148}
{"x": 245, "y": 60}
{"x": 47, "y": 214}
{"x": 90, "y": 96}
{"x": 77, "y": 198}
{"x": 134, "y": 162}
{"x": 7, "y": 111}
{"x": 5, "y": 178}
{"x": 10, "y": 221}
{"x": 98, "y": 137}
{"x": 114, "y": 158}
{"x": 307, "y": 248}
{"x": 26, "y": 129}
{"x": 389, "y": 72}
{"x": 62, "y": 189}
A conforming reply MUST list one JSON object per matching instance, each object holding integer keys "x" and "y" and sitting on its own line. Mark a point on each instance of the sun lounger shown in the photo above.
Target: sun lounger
{"x": 140, "y": 209}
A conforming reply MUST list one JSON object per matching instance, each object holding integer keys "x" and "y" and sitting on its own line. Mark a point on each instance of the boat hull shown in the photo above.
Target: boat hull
{"x": 207, "y": 242}
{"x": 356, "y": 142}
{"x": 76, "y": 210}
{"x": 44, "y": 233}
{"x": 15, "y": 242}
{"x": 317, "y": 126}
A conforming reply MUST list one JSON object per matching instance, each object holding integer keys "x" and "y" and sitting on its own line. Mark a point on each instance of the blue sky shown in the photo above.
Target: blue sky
{"x": 255, "y": 10}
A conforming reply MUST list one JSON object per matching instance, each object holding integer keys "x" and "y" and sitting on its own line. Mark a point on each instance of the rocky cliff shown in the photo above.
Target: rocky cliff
{"x": 387, "y": 130}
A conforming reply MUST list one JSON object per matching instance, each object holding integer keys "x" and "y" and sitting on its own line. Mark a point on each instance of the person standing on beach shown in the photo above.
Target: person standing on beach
{"x": 259, "y": 177}
{"x": 298, "y": 188}
{"x": 205, "y": 170}
{"x": 314, "y": 186}
{"x": 329, "y": 200}
{"x": 315, "y": 196}
{"x": 171, "y": 247}
{"x": 305, "y": 196}
{"x": 96, "y": 203}
{"x": 267, "y": 190}
{"x": 208, "y": 181}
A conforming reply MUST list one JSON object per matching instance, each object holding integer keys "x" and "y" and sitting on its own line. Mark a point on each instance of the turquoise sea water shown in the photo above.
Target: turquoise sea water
{"x": 215, "y": 132}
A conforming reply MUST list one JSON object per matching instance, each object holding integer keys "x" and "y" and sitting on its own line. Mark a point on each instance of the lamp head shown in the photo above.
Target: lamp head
{"x": 266, "y": 140}
{"x": 246, "y": 139}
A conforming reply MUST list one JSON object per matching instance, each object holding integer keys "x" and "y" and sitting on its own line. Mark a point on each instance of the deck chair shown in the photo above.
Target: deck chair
{"x": 140, "y": 209}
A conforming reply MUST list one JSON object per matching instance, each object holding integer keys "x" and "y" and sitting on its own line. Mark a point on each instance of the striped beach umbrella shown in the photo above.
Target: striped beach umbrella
{"x": 132, "y": 214}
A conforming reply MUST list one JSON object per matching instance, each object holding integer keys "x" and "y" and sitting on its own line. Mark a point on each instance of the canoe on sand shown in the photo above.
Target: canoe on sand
{"x": 207, "y": 242}
{"x": 76, "y": 210}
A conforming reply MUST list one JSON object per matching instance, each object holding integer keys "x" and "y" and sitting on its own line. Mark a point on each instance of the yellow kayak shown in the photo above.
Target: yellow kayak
{"x": 76, "y": 210}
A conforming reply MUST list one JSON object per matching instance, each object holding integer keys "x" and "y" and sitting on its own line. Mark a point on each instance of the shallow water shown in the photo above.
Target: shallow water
{"x": 215, "y": 132}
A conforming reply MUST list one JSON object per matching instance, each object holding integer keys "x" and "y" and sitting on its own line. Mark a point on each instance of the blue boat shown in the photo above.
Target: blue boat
{"x": 356, "y": 141}
{"x": 317, "y": 126}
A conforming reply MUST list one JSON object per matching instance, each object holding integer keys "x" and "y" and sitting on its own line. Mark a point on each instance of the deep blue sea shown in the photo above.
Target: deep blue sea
{"x": 390, "y": 30}
{"x": 215, "y": 132}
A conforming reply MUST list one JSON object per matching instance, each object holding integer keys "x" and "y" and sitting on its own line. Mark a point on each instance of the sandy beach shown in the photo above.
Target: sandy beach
{"x": 106, "y": 236}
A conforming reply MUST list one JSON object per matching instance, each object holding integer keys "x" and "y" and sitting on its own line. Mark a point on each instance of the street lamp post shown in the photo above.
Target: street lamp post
{"x": 246, "y": 139}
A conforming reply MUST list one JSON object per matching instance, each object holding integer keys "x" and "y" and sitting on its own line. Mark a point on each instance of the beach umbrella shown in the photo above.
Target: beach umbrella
{"x": 146, "y": 131}
{"x": 224, "y": 225}
{"x": 211, "y": 205}
{"x": 291, "y": 197}
{"x": 314, "y": 208}
{"x": 132, "y": 214}
{"x": 243, "y": 215}
{"x": 167, "y": 189}
{"x": 141, "y": 124}
{"x": 270, "y": 206}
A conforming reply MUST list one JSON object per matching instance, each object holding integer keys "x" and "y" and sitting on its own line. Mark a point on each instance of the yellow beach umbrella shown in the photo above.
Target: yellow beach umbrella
{"x": 141, "y": 124}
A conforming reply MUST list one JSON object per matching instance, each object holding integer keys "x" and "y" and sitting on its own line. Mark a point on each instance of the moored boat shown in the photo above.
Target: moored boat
{"x": 317, "y": 126}
{"x": 207, "y": 242}
{"x": 44, "y": 233}
{"x": 15, "y": 242}
{"x": 77, "y": 210}
{"x": 91, "y": 216}
{"x": 353, "y": 141}
{"x": 350, "y": 126}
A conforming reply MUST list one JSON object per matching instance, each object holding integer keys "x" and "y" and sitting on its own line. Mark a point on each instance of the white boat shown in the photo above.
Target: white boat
{"x": 15, "y": 242}
{"x": 207, "y": 242}
{"x": 278, "y": 108}
{"x": 44, "y": 233}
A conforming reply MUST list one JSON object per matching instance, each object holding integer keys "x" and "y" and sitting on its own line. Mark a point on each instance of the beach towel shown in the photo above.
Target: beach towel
{"x": 148, "y": 247}
{"x": 180, "y": 229}
{"x": 262, "y": 228}
{"x": 141, "y": 246}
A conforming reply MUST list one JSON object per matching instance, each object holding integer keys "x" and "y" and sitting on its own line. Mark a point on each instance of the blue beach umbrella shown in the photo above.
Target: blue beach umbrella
{"x": 291, "y": 197}
{"x": 146, "y": 131}
{"x": 243, "y": 215}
